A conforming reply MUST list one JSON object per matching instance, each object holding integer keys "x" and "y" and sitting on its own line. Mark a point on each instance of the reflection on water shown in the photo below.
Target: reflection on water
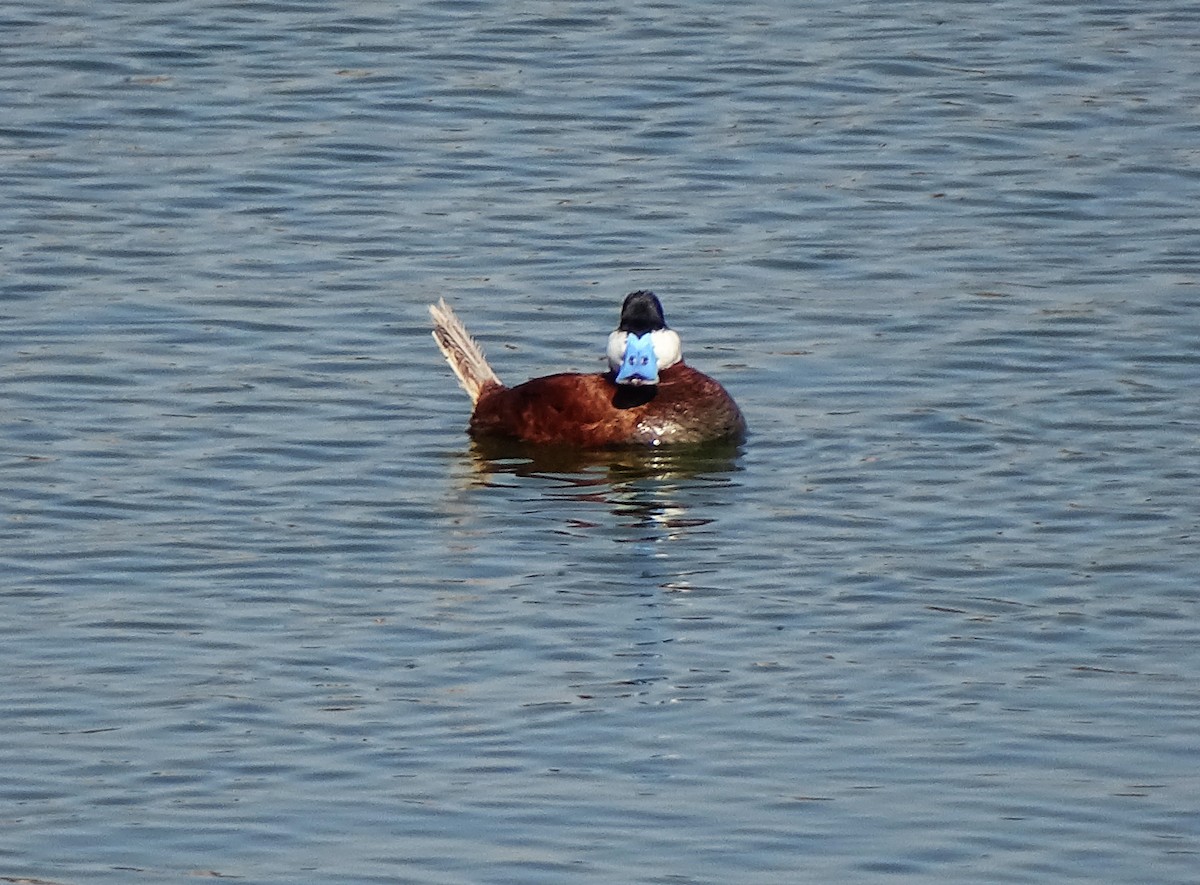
{"x": 617, "y": 465}
{"x": 655, "y": 496}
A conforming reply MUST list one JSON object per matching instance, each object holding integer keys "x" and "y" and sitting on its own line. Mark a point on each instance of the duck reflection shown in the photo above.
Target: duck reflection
{"x": 653, "y": 492}
{"x": 629, "y": 534}
{"x": 614, "y": 465}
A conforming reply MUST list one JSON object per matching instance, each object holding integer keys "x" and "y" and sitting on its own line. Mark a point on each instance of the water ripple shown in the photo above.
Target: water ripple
{"x": 270, "y": 615}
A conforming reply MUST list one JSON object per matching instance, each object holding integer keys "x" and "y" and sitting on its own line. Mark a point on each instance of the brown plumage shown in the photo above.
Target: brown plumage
{"x": 588, "y": 410}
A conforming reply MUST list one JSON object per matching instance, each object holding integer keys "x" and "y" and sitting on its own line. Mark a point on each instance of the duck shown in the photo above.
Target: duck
{"x": 648, "y": 396}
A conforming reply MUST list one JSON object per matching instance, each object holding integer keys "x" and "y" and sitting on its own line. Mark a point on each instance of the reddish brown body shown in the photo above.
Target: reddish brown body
{"x": 591, "y": 411}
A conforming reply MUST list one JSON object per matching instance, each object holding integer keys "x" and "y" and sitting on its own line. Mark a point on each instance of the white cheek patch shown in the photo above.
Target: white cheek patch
{"x": 668, "y": 350}
{"x": 616, "y": 349}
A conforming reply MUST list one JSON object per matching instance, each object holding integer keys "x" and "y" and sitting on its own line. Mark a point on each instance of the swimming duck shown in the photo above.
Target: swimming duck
{"x": 648, "y": 396}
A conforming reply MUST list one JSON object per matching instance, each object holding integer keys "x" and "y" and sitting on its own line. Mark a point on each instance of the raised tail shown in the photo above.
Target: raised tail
{"x": 462, "y": 352}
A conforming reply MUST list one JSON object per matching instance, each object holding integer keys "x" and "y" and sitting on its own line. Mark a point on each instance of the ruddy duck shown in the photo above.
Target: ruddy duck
{"x": 649, "y": 396}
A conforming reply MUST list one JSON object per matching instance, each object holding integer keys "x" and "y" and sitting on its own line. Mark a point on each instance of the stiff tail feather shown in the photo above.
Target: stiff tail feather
{"x": 462, "y": 352}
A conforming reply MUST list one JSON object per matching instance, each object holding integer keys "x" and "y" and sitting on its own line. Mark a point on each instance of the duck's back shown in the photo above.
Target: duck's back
{"x": 686, "y": 406}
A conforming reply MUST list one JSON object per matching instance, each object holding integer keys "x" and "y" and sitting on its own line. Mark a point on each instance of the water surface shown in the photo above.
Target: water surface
{"x": 270, "y": 616}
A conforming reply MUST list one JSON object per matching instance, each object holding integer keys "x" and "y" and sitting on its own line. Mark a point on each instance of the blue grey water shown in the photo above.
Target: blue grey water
{"x": 266, "y": 615}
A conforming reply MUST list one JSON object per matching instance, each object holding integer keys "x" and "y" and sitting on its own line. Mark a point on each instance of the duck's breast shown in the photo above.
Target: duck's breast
{"x": 689, "y": 407}
{"x": 591, "y": 411}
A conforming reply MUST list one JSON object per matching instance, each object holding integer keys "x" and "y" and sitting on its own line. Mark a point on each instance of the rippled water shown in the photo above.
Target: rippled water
{"x": 269, "y": 616}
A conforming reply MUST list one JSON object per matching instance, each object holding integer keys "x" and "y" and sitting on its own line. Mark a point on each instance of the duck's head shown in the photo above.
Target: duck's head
{"x": 642, "y": 345}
